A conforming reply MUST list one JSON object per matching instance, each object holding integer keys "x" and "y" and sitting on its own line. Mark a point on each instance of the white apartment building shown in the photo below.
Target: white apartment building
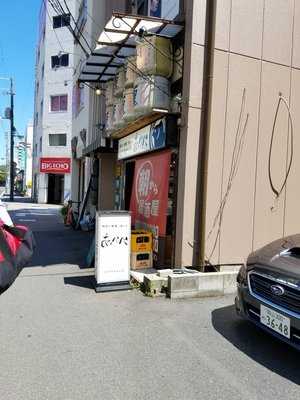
{"x": 89, "y": 111}
{"x": 53, "y": 106}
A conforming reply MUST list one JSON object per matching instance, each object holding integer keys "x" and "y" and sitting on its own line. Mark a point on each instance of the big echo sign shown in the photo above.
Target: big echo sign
{"x": 55, "y": 165}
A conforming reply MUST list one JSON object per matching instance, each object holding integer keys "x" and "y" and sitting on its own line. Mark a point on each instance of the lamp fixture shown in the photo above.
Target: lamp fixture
{"x": 161, "y": 110}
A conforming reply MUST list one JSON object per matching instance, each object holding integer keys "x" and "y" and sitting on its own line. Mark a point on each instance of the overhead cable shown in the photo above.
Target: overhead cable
{"x": 58, "y": 9}
{"x": 78, "y": 30}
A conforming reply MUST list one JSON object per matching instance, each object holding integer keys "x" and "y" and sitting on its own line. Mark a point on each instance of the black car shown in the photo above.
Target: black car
{"x": 269, "y": 289}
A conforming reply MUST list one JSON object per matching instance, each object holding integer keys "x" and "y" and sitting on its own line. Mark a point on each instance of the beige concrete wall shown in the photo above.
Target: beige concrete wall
{"x": 189, "y": 133}
{"x": 257, "y": 49}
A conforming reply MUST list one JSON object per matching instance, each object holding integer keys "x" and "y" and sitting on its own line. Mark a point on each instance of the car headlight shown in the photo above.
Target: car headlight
{"x": 242, "y": 276}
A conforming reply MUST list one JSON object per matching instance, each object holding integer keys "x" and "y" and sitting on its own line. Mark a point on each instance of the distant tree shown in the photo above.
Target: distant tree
{"x": 3, "y": 174}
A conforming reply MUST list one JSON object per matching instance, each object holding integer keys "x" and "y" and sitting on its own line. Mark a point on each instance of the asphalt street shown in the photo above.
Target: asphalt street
{"x": 61, "y": 340}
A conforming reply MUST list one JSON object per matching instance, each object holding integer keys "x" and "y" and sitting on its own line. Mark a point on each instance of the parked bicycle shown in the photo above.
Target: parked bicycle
{"x": 73, "y": 212}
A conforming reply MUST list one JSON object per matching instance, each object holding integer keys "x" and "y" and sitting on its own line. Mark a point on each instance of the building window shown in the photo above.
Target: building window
{"x": 42, "y": 107}
{"x": 61, "y": 20}
{"x": 41, "y": 144}
{"x": 60, "y": 61}
{"x": 43, "y": 71}
{"x": 36, "y": 118}
{"x": 35, "y": 149}
{"x": 59, "y": 103}
{"x": 57, "y": 139}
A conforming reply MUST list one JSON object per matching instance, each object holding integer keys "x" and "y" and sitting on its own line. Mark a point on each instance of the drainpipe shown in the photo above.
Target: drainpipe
{"x": 208, "y": 64}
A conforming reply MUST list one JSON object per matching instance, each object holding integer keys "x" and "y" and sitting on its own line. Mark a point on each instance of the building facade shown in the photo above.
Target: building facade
{"x": 105, "y": 173}
{"x": 53, "y": 106}
{"x": 211, "y": 167}
{"x": 251, "y": 169}
{"x": 89, "y": 114}
{"x": 29, "y": 148}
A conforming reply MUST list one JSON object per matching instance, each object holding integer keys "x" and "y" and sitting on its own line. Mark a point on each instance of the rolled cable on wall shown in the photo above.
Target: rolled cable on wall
{"x": 278, "y": 191}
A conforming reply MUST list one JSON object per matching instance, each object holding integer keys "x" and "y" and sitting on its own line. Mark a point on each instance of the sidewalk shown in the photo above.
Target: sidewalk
{"x": 56, "y": 244}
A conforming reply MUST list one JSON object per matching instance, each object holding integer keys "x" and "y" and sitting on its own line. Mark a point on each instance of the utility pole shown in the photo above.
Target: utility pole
{"x": 11, "y": 196}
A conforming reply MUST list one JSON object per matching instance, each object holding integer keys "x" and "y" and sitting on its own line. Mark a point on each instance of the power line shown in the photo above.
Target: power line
{"x": 75, "y": 34}
{"x": 58, "y": 12}
{"x": 50, "y": 20}
{"x": 58, "y": 8}
{"x": 133, "y": 66}
{"x": 78, "y": 30}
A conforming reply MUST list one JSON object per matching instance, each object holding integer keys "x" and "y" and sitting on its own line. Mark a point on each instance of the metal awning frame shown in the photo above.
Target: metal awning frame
{"x": 108, "y": 51}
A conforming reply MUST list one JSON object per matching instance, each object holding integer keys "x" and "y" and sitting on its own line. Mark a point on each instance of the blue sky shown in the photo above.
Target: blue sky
{"x": 18, "y": 37}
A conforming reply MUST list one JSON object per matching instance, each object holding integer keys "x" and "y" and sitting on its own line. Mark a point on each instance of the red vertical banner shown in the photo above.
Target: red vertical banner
{"x": 149, "y": 197}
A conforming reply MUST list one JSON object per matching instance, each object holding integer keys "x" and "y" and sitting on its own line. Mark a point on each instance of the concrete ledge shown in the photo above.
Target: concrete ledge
{"x": 155, "y": 285}
{"x": 138, "y": 276}
{"x": 201, "y": 284}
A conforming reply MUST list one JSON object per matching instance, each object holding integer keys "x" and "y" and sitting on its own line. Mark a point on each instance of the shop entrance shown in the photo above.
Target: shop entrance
{"x": 129, "y": 176}
{"x": 162, "y": 202}
{"x": 55, "y": 188}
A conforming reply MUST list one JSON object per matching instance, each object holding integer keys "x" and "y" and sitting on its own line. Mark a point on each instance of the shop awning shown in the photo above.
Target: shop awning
{"x": 118, "y": 41}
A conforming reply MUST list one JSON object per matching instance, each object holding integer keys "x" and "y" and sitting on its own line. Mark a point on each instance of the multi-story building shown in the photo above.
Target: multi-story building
{"x": 89, "y": 109}
{"x": 28, "y": 165}
{"x": 103, "y": 178}
{"x": 213, "y": 173}
{"x": 20, "y": 153}
{"x": 53, "y": 105}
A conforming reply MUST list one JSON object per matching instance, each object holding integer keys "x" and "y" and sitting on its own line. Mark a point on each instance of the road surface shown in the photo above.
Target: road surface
{"x": 61, "y": 340}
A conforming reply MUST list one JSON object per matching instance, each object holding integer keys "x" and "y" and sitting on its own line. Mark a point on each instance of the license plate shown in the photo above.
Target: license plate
{"x": 275, "y": 321}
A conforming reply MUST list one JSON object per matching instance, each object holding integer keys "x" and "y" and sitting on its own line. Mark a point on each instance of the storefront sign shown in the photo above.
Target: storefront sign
{"x": 55, "y": 165}
{"x": 150, "y": 138}
{"x": 149, "y": 199}
{"x": 112, "y": 252}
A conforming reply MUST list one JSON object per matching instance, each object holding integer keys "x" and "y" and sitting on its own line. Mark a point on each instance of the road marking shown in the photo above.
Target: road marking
{"x": 38, "y": 214}
{"x": 27, "y": 220}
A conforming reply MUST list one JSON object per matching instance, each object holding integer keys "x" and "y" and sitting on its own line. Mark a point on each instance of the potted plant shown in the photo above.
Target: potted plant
{"x": 64, "y": 212}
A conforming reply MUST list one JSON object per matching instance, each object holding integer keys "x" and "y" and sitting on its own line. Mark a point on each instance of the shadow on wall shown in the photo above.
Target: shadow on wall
{"x": 257, "y": 344}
